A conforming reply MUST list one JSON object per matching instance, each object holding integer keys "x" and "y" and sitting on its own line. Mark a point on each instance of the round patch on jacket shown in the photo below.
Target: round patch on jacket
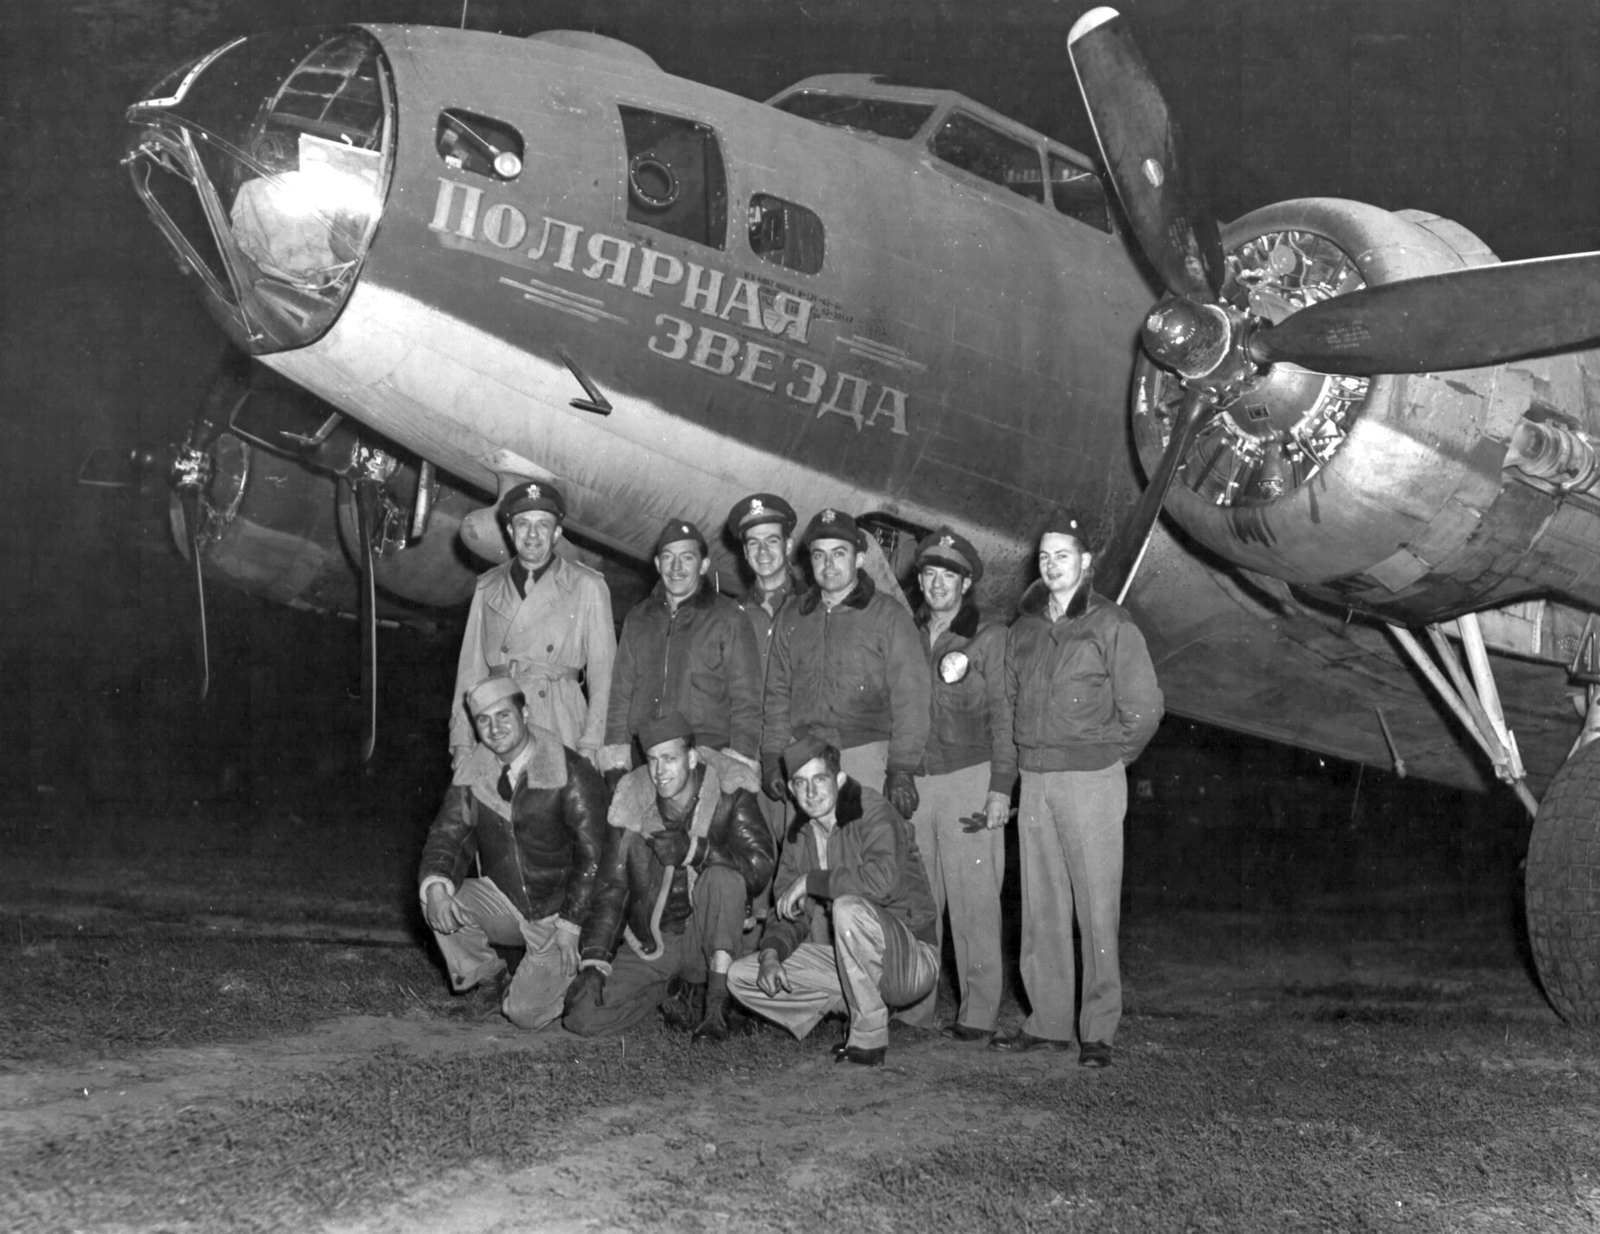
{"x": 953, "y": 666}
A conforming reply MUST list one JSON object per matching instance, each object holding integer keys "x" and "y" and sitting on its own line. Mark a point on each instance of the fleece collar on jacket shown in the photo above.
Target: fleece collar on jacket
{"x": 860, "y": 595}
{"x": 480, "y": 770}
{"x": 965, "y": 624}
{"x": 845, "y": 812}
{"x": 700, "y": 599}
{"x": 1035, "y": 601}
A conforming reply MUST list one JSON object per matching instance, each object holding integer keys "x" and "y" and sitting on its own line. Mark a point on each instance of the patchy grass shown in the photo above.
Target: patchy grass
{"x": 70, "y": 996}
{"x": 1274, "y": 1116}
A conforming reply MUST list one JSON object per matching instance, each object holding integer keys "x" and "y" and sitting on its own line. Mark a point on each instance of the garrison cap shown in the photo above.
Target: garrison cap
{"x": 675, "y": 530}
{"x": 532, "y": 495}
{"x": 662, "y": 729}
{"x": 760, "y": 508}
{"x": 807, "y": 742}
{"x": 1067, "y": 522}
{"x": 497, "y": 685}
{"x": 831, "y": 524}
{"x": 950, "y": 550}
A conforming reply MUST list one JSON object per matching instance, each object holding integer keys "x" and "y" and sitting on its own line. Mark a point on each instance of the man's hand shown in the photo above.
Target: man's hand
{"x": 996, "y": 810}
{"x": 590, "y": 982}
{"x": 567, "y": 949}
{"x": 900, "y": 787}
{"x": 772, "y": 782}
{"x": 442, "y": 911}
{"x": 670, "y": 847}
{"x": 614, "y": 758}
{"x": 771, "y": 978}
{"x": 791, "y": 903}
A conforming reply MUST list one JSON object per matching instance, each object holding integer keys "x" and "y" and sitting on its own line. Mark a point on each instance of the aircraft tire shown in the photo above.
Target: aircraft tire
{"x": 1563, "y": 889}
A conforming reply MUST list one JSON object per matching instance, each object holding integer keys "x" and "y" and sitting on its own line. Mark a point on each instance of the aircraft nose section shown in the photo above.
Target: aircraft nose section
{"x": 265, "y": 165}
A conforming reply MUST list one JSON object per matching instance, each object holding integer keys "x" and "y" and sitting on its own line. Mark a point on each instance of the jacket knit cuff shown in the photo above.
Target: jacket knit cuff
{"x": 817, "y": 883}
{"x": 422, "y": 891}
{"x": 1002, "y": 782}
{"x": 603, "y": 965}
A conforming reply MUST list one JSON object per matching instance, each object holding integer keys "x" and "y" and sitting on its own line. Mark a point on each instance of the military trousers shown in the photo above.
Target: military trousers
{"x": 1069, "y": 838}
{"x": 636, "y": 986}
{"x": 873, "y": 963}
{"x": 536, "y": 992}
{"x": 965, "y": 870}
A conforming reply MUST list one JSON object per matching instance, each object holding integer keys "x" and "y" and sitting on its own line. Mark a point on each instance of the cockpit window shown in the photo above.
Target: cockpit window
{"x": 469, "y": 142}
{"x": 676, "y": 181}
{"x": 786, "y": 234}
{"x": 974, "y": 146}
{"x": 885, "y": 117}
{"x": 1078, "y": 193}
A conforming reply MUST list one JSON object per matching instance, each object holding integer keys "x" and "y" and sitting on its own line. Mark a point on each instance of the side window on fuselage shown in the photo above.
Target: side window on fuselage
{"x": 676, "y": 181}
{"x": 467, "y": 141}
{"x": 786, "y": 234}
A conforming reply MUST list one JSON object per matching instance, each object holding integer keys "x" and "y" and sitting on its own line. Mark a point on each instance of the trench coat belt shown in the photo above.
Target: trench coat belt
{"x": 532, "y": 670}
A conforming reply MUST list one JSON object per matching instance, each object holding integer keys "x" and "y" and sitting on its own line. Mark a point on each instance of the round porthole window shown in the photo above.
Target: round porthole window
{"x": 651, "y": 182}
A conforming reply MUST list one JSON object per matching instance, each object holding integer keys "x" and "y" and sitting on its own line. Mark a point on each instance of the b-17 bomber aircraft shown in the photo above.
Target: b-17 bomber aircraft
{"x": 494, "y": 258}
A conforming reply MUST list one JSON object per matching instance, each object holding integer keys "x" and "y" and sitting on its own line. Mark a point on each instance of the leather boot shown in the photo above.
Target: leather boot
{"x": 681, "y": 1007}
{"x": 714, "y": 1027}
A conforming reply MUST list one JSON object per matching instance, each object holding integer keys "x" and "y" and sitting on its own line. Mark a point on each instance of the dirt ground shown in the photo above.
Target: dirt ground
{"x": 1463, "y": 1104}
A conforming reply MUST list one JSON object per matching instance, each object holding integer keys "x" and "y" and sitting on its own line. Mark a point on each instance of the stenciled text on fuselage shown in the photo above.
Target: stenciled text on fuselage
{"x": 459, "y": 213}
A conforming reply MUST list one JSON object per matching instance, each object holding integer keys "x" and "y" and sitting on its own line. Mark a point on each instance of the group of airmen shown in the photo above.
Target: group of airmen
{"x": 761, "y": 809}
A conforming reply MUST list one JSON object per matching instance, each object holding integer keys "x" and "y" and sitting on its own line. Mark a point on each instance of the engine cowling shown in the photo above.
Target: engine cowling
{"x": 1407, "y": 496}
{"x": 275, "y": 527}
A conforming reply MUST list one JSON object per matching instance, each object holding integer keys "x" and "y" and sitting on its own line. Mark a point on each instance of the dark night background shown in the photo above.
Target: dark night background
{"x": 1475, "y": 109}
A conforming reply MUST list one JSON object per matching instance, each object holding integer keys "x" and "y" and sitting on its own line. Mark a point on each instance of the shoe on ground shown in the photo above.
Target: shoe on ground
{"x": 961, "y": 1032}
{"x": 483, "y": 1001}
{"x": 681, "y": 1007}
{"x": 1095, "y": 1054}
{"x": 714, "y": 1026}
{"x": 1021, "y": 1042}
{"x": 861, "y": 1057}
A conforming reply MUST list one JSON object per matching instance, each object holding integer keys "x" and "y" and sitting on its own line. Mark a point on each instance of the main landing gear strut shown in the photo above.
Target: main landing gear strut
{"x": 1563, "y": 866}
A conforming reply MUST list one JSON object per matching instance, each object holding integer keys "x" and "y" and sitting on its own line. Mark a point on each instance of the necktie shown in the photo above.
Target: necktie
{"x": 505, "y": 784}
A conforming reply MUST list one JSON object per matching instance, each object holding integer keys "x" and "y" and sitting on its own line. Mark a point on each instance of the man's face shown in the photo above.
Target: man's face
{"x": 681, "y": 564}
{"x": 1062, "y": 562}
{"x": 834, "y": 564}
{"x": 816, "y": 789}
{"x": 766, "y": 548}
{"x": 671, "y": 764}
{"x": 942, "y": 588}
{"x": 534, "y": 534}
{"x": 502, "y": 726}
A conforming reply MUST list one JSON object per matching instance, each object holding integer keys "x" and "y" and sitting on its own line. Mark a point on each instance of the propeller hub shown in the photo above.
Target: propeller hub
{"x": 1188, "y": 337}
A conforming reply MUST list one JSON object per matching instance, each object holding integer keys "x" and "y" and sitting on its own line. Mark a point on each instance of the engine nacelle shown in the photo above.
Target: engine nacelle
{"x": 1414, "y": 497}
{"x": 275, "y": 527}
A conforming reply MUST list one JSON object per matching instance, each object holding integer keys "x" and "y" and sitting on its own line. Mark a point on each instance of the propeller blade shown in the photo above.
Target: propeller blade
{"x": 1463, "y": 319}
{"x": 186, "y": 530}
{"x": 1120, "y": 563}
{"x": 366, "y": 502}
{"x": 1139, "y": 143}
